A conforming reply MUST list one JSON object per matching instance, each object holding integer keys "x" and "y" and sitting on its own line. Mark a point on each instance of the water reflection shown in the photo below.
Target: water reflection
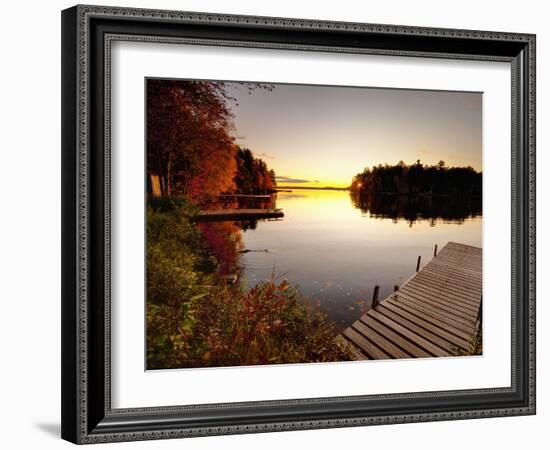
{"x": 337, "y": 247}
{"x": 418, "y": 207}
{"x": 229, "y": 202}
{"x": 224, "y": 240}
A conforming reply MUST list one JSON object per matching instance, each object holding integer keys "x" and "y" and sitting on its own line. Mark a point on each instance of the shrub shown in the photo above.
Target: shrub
{"x": 267, "y": 324}
{"x": 195, "y": 320}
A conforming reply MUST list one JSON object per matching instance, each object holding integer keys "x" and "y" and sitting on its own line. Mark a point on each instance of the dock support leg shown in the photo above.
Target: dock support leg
{"x": 418, "y": 263}
{"x": 375, "y": 296}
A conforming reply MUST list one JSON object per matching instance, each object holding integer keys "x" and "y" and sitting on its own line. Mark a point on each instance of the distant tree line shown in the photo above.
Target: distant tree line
{"x": 404, "y": 179}
{"x": 191, "y": 149}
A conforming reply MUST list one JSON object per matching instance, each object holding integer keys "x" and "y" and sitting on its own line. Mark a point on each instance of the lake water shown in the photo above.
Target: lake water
{"x": 337, "y": 249}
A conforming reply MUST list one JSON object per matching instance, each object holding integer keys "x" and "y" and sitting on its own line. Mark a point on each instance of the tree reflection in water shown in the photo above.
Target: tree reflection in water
{"x": 224, "y": 241}
{"x": 416, "y": 208}
{"x": 225, "y": 238}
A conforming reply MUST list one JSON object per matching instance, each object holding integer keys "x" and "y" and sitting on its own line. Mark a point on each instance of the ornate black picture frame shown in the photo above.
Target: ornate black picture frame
{"x": 87, "y": 34}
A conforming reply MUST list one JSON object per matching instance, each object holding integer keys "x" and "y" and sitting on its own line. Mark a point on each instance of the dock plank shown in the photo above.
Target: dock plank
{"x": 458, "y": 279}
{"x": 465, "y": 281}
{"x": 442, "y": 322}
{"x": 395, "y": 338}
{"x": 364, "y": 345}
{"x": 433, "y": 314}
{"x": 435, "y": 311}
{"x": 456, "y": 310}
{"x": 385, "y": 344}
{"x": 434, "y": 335}
{"x": 440, "y": 291}
{"x": 440, "y": 282}
{"x": 442, "y": 295}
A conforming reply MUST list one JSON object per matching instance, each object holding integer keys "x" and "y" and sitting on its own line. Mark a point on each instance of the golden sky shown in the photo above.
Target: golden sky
{"x": 323, "y": 136}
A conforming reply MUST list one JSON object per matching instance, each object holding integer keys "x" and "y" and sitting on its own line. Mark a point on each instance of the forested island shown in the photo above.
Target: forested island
{"x": 418, "y": 179}
{"x": 418, "y": 191}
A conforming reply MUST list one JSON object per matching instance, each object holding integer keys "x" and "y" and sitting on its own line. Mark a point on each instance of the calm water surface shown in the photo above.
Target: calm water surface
{"x": 337, "y": 252}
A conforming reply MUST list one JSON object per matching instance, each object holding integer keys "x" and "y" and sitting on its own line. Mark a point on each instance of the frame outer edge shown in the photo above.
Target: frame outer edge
{"x": 69, "y": 313}
{"x": 532, "y": 143}
{"x": 295, "y": 23}
{"x": 75, "y": 209}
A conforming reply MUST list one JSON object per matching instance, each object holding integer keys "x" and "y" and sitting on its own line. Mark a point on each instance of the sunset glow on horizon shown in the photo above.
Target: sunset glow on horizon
{"x": 321, "y": 136}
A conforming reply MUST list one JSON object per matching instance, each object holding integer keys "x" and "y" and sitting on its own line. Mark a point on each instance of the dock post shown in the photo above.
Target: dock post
{"x": 435, "y": 250}
{"x": 375, "y": 296}
{"x": 395, "y": 288}
{"x": 418, "y": 263}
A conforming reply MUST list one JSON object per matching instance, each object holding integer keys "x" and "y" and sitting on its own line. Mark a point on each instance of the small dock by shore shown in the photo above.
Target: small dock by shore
{"x": 437, "y": 312}
{"x": 238, "y": 214}
{"x": 253, "y": 196}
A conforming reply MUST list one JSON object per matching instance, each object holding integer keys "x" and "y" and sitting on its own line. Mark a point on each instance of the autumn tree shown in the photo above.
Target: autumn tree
{"x": 189, "y": 141}
{"x": 253, "y": 175}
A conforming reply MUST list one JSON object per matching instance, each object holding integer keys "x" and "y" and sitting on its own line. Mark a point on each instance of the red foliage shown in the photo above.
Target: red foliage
{"x": 189, "y": 140}
{"x": 224, "y": 241}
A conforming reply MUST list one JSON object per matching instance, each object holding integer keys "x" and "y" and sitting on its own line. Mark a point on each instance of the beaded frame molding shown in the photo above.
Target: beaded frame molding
{"x": 87, "y": 34}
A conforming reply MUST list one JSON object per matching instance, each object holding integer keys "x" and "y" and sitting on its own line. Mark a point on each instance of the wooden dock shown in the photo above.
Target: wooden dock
{"x": 238, "y": 214}
{"x": 255, "y": 196}
{"x": 435, "y": 313}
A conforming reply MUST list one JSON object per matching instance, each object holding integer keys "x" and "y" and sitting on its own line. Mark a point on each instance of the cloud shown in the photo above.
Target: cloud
{"x": 293, "y": 180}
{"x": 264, "y": 155}
{"x": 424, "y": 151}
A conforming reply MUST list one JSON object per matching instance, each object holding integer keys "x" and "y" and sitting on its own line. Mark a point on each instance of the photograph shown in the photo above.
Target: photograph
{"x": 291, "y": 223}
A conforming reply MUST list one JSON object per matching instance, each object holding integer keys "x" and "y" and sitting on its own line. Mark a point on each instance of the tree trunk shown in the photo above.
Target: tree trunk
{"x": 169, "y": 175}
